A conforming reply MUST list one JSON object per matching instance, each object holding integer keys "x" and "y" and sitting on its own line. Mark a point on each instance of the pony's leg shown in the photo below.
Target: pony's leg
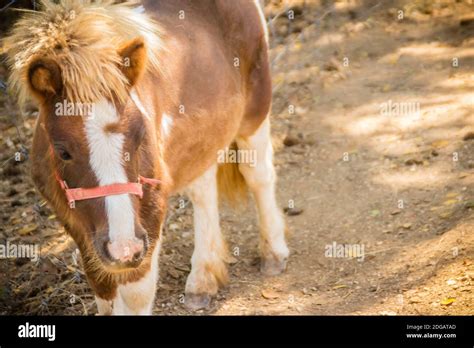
{"x": 260, "y": 177}
{"x": 104, "y": 307}
{"x": 135, "y": 298}
{"x": 208, "y": 270}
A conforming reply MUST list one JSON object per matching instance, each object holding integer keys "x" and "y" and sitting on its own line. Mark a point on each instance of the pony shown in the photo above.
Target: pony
{"x": 136, "y": 102}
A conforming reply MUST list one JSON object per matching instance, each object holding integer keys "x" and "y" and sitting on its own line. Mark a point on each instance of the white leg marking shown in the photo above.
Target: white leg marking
{"x": 106, "y": 161}
{"x": 104, "y": 307}
{"x": 261, "y": 181}
{"x": 138, "y": 298}
{"x": 208, "y": 267}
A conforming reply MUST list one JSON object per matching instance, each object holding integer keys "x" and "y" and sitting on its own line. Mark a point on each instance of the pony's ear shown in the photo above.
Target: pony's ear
{"x": 134, "y": 56}
{"x": 44, "y": 77}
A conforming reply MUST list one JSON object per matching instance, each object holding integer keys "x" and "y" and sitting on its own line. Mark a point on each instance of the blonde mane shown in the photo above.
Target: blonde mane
{"x": 82, "y": 37}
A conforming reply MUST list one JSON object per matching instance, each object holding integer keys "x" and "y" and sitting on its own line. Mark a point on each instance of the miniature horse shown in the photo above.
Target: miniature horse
{"x": 136, "y": 101}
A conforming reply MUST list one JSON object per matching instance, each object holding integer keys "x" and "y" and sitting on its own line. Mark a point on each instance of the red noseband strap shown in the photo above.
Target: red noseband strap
{"x": 80, "y": 194}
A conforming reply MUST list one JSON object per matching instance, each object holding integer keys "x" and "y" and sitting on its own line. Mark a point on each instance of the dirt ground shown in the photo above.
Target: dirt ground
{"x": 397, "y": 183}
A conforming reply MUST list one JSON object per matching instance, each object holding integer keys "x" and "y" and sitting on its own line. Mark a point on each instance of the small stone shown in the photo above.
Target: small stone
{"x": 15, "y": 203}
{"x": 413, "y": 161}
{"x": 291, "y": 141}
{"x": 12, "y": 192}
{"x": 293, "y": 211}
{"x": 414, "y": 300}
{"x": 173, "y": 226}
{"x": 468, "y": 136}
{"x": 467, "y": 21}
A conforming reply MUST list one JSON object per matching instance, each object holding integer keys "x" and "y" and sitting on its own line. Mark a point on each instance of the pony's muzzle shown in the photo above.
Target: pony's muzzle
{"x": 126, "y": 251}
{"x": 122, "y": 253}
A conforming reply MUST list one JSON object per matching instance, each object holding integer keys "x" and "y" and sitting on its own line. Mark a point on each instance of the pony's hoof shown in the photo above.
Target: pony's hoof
{"x": 195, "y": 302}
{"x": 272, "y": 266}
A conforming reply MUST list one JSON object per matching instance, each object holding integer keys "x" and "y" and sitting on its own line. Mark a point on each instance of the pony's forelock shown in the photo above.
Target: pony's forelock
{"x": 82, "y": 37}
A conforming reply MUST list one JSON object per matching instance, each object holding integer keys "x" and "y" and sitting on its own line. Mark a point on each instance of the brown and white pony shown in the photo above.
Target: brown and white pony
{"x": 136, "y": 102}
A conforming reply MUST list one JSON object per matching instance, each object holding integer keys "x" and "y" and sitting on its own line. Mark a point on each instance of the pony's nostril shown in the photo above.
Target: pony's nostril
{"x": 138, "y": 256}
{"x": 140, "y": 232}
{"x": 146, "y": 243}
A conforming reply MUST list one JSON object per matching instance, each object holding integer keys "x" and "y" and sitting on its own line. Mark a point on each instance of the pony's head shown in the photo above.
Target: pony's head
{"x": 92, "y": 129}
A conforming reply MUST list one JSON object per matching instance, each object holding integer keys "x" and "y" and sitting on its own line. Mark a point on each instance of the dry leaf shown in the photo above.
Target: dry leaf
{"x": 270, "y": 294}
{"x": 469, "y": 204}
{"x": 340, "y": 286}
{"x": 15, "y": 221}
{"x": 27, "y": 229}
{"x": 450, "y": 202}
{"x": 447, "y": 301}
{"x": 440, "y": 143}
{"x": 375, "y": 213}
{"x": 445, "y": 215}
{"x": 393, "y": 59}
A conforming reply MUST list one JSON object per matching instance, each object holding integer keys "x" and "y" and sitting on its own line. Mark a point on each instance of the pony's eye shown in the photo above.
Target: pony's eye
{"x": 139, "y": 136}
{"x": 63, "y": 154}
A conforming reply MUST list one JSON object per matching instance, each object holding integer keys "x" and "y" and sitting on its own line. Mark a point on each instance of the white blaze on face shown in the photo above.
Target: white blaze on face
{"x": 106, "y": 160}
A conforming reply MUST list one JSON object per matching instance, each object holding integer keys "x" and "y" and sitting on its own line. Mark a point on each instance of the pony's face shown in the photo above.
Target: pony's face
{"x": 99, "y": 144}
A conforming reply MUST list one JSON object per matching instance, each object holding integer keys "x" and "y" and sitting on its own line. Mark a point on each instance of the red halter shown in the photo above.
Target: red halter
{"x": 80, "y": 194}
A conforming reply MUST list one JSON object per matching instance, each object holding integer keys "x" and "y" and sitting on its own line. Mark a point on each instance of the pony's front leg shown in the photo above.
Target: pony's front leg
{"x": 135, "y": 297}
{"x": 209, "y": 270}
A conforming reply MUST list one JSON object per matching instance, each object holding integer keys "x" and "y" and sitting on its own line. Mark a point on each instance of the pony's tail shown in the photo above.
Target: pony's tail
{"x": 231, "y": 183}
